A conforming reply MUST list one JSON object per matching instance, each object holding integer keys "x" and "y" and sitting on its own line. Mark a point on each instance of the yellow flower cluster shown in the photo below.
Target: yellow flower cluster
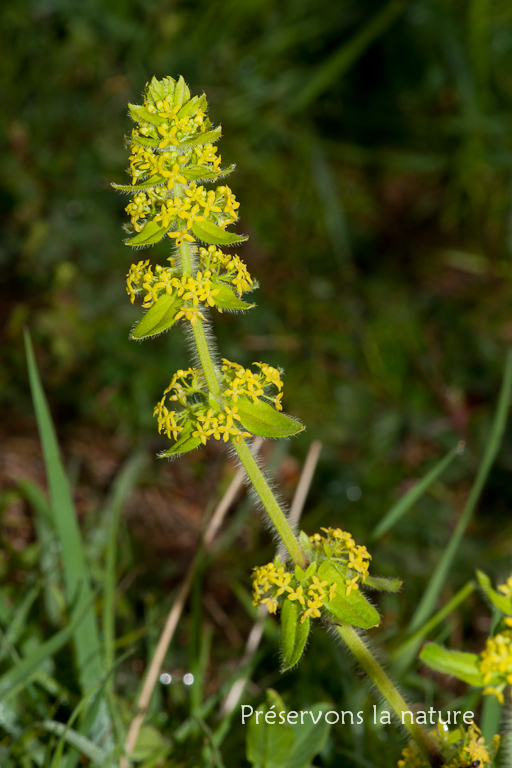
{"x": 339, "y": 545}
{"x": 271, "y": 581}
{"x": 496, "y": 662}
{"x": 226, "y": 266}
{"x": 243, "y": 382}
{"x": 188, "y": 389}
{"x": 141, "y": 277}
{"x": 197, "y": 204}
{"x": 459, "y": 748}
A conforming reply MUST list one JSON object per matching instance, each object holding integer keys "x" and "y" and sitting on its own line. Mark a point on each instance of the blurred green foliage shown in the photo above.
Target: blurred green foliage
{"x": 374, "y": 156}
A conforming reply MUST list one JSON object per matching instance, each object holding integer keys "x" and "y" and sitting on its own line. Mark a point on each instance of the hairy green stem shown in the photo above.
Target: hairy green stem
{"x": 384, "y": 685}
{"x": 207, "y": 364}
{"x": 270, "y": 503}
{"x": 255, "y": 474}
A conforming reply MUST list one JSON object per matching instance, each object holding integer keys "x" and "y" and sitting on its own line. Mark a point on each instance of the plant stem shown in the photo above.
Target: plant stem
{"x": 249, "y": 463}
{"x": 270, "y": 503}
{"x": 208, "y": 366}
{"x": 384, "y": 685}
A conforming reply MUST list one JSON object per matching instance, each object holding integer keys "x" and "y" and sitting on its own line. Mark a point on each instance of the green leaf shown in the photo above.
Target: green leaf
{"x": 19, "y": 621}
{"x": 463, "y": 666}
{"x": 185, "y": 443}
{"x": 502, "y": 603}
{"x": 181, "y": 92}
{"x": 306, "y": 545}
{"x": 160, "y": 90}
{"x": 268, "y": 746}
{"x": 18, "y": 676}
{"x": 192, "y": 105}
{"x": 154, "y": 181}
{"x": 294, "y": 634}
{"x": 383, "y": 584}
{"x": 203, "y": 138}
{"x": 353, "y": 609}
{"x": 227, "y": 299}
{"x": 81, "y": 743}
{"x": 212, "y": 234}
{"x": 444, "y": 563}
{"x": 310, "y": 738}
{"x": 76, "y": 572}
{"x": 159, "y": 317}
{"x": 195, "y": 172}
{"x": 142, "y": 115}
{"x": 144, "y": 141}
{"x": 150, "y": 234}
{"x": 407, "y": 501}
{"x": 262, "y": 419}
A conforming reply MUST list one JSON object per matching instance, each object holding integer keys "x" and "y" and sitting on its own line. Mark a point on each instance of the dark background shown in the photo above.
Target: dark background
{"x": 374, "y": 155}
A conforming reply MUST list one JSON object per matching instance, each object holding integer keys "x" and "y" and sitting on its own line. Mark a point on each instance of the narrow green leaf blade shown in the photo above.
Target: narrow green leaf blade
{"x": 18, "y": 676}
{"x": 81, "y": 743}
{"x": 76, "y": 574}
{"x": 262, "y": 419}
{"x": 437, "y": 580}
{"x": 404, "y": 504}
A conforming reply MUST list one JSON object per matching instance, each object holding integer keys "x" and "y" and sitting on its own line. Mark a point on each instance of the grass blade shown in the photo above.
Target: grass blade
{"x": 82, "y": 744}
{"x": 49, "y": 560}
{"x": 404, "y": 504}
{"x": 405, "y": 654}
{"x": 437, "y": 580}
{"x": 346, "y": 55}
{"x": 18, "y": 676}
{"x": 19, "y": 621}
{"x": 124, "y": 484}
{"x": 76, "y": 575}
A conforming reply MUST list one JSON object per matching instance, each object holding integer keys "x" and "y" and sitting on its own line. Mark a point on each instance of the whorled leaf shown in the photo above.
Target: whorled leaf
{"x": 186, "y": 442}
{"x": 225, "y": 298}
{"x": 294, "y": 634}
{"x": 463, "y": 666}
{"x": 262, "y": 419}
{"x": 383, "y": 584}
{"x": 142, "y": 115}
{"x": 212, "y": 234}
{"x": 502, "y": 603}
{"x": 154, "y": 181}
{"x": 152, "y": 233}
{"x": 203, "y": 138}
{"x": 159, "y": 317}
{"x": 353, "y": 608}
{"x": 200, "y": 173}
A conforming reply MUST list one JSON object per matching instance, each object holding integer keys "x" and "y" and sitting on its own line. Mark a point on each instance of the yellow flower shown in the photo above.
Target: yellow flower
{"x": 298, "y": 594}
